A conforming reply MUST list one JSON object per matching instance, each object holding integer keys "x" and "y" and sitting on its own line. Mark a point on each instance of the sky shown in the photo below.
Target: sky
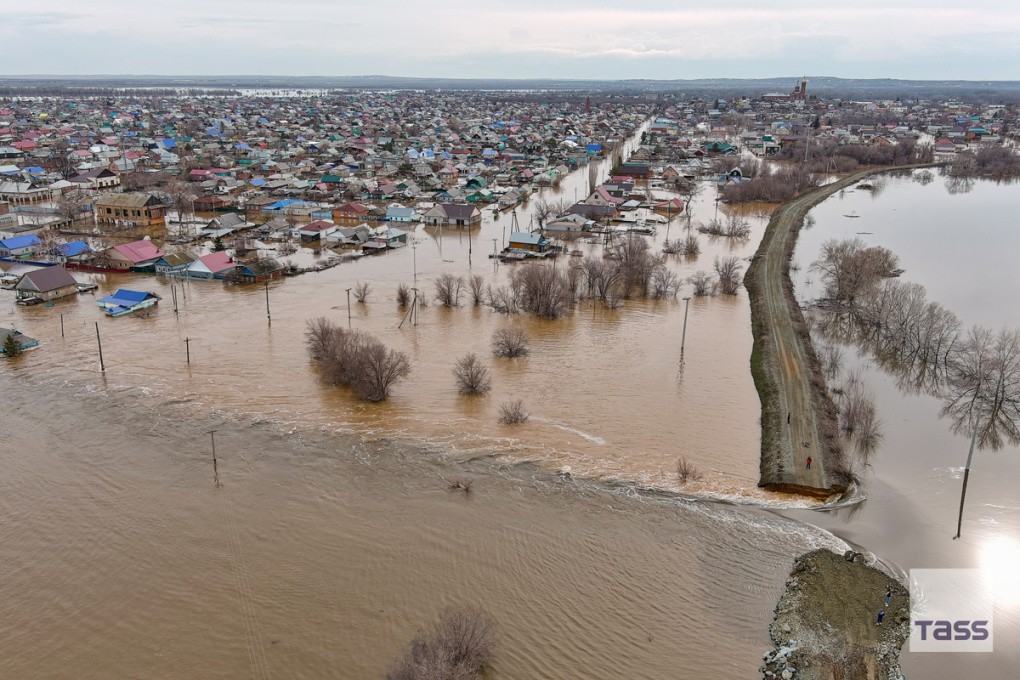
{"x": 588, "y": 39}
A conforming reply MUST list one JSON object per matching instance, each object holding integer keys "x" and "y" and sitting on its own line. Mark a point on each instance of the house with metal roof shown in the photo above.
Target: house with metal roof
{"x": 453, "y": 214}
{"x": 531, "y": 242}
{"x": 19, "y": 246}
{"x": 212, "y": 266}
{"x": 43, "y": 285}
{"x": 126, "y": 301}
{"x": 23, "y": 341}
{"x": 173, "y": 263}
{"x": 135, "y": 256}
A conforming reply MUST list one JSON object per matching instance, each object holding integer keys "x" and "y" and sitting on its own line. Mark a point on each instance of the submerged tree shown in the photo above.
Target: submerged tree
{"x": 457, "y": 647}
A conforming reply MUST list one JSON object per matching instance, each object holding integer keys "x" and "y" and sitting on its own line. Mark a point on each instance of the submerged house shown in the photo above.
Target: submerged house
{"x": 19, "y": 246}
{"x": 126, "y": 301}
{"x": 23, "y": 341}
{"x": 173, "y": 263}
{"x": 46, "y": 284}
{"x": 141, "y": 209}
{"x": 533, "y": 243}
{"x": 258, "y": 271}
{"x": 136, "y": 256}
{"x": 212, "y": 266}
{"x": 453, "y": 215}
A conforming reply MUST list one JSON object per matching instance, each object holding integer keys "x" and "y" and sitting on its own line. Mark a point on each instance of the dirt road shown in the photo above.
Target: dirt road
{"x": 798, "y": 417}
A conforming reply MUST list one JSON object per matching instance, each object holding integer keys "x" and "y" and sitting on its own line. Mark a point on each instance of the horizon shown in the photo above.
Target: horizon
{"x": 368, "y": 76}
{"x": 575, "y": 40}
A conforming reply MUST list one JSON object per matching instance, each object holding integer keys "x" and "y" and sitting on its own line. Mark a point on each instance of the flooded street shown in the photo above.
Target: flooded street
{"x": 608, "y": 393}
{"x": 959, "y": 246}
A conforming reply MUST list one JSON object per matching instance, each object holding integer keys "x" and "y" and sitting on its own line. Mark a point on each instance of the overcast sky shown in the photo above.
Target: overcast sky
{"x": 923, "y": 39}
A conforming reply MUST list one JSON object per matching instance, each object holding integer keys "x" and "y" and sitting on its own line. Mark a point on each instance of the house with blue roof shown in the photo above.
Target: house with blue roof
{"x": 533, "y": 243}
{"x": 126, "y": 301}
{"x": 75, "y": 250}
{"x": 19, "y": 246}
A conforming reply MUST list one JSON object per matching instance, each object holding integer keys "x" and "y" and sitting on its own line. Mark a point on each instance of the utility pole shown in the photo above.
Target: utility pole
{"x": 215, "y": 467}
{"x": 187, "y": 348}
{"x": 269, "y": 316}
{"x": 61, "y": 325}
{"x": 683, "y": 337}
{"x": 414, "y": 261}
{"x": 966, "y": 476}
{"x": 102, "y": 366}
{"x": 348, "y": 307}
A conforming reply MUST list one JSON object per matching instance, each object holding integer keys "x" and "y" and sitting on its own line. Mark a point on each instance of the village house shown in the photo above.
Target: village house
{"x": 173, "y": 264}
{"x": 533, "y": 243}
{"x": 48, "y": 283}
{"x": 212, "y": 266}
{"x": 453, "y": 215}
{"x": 19, "y": 246}
{"x": 143, "y": 210}
{"x": 258, "y": 271}
{"x": 135, "y": 256}
{"x": 317, "y": 230}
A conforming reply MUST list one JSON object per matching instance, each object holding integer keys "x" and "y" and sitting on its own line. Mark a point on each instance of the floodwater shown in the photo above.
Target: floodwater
{"x": 961, "y": 246}
{"x": 321, "y": 553}
{"x": 609, "y": 395}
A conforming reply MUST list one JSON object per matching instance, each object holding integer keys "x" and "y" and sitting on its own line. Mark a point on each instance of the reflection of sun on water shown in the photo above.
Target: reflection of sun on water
{"x": 1000, "y": 557}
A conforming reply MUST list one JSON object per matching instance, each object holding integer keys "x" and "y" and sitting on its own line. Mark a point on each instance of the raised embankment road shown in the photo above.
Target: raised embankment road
{"x": 798, "y": 418}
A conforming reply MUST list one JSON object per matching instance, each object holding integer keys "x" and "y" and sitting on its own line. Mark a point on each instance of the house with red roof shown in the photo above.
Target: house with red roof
{"x": 351, "y": 213}
{"x": 212, "y": 266}
{"x": 134, "y": 256}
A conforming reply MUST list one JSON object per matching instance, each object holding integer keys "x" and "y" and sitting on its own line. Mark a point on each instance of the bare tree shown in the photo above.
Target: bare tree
{"x": 403, "y": 295}
{"x": 458, "y": 647}
{"x": 510, "y": 342}
{"x": 355, "y": 359}
{"x": 503, "y": 300}
{"x": 448, "y": 289}
{"x": 477, "y": 288}
{"x": 182, "y": 198}
{"x": 361, "y": 290}
{"x": 850, "y": 269}
{"x": 542, "y": 290}
{"x": 686, "y": 471}
{"x": 728, "y": 269}
{"x": 513, "y": 412}
{"x": 472, "y": 376}
{"x": 702, "y": 282}
{"x": 665, "y": 284}
{"x": 691, "y": 247}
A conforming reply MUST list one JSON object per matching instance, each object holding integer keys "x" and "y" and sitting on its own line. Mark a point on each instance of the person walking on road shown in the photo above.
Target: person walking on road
{"x": 809, "y": 462}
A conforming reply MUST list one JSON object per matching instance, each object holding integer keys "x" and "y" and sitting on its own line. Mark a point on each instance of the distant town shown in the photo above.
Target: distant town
{"x": 251, "y": 187}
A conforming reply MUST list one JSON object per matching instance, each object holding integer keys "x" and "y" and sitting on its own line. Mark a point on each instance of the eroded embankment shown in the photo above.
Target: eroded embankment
{"x": 826, "y": 622}
{"x": 799, "y": 419}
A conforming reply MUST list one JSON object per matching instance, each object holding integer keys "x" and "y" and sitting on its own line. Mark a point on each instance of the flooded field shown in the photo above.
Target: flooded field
{"x": 960, "y": 246}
